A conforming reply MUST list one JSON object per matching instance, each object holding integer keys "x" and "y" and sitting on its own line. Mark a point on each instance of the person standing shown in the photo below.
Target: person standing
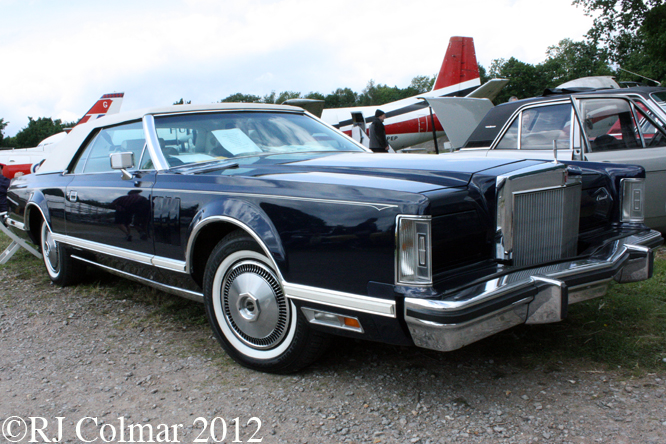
{"x": 4, "y": 184}
{"x": 378, "y": 142}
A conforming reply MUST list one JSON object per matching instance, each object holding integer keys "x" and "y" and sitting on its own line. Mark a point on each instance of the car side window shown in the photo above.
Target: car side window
{"x": 652, "y": 136}
{"x": 121, "y": 138}
{"x": 543, "y": 125}
{"x": 536, "y": 129}
{"x": 609, "y": 124}
{"x": 510, "y": 139}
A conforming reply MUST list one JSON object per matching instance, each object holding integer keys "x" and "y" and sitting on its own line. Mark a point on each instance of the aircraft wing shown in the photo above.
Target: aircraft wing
{"x": 488, "y": 90}
{"x": 459, "y": 116}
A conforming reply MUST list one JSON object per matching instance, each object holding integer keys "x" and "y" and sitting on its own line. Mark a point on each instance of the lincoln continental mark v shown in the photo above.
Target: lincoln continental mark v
{"x": 290, "y": 232}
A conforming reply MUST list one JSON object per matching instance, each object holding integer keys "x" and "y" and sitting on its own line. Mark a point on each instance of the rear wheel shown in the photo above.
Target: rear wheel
{"x": 62, "y": 269}
{"x": 249, "y": 313}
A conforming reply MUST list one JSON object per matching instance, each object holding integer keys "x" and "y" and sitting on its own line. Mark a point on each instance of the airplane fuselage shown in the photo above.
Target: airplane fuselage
{"x": 408, "y": 121}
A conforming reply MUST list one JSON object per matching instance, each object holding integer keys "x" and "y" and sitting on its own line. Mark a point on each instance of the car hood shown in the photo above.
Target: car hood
{"x": 410, "y": 173}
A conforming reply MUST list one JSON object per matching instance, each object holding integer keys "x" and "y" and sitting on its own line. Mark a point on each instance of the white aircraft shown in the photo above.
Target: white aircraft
{"x": 409, "y": 121}
{"x": 26, "y": 160}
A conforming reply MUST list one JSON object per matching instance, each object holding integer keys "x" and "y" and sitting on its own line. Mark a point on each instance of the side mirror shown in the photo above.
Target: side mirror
{"x": 122, "y": 161}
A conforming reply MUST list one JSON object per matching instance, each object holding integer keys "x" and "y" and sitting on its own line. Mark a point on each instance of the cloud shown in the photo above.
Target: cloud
{"x": 58, "y": 59}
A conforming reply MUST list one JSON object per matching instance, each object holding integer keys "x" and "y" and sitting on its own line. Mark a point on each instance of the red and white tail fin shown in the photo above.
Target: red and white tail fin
{"x": 107, "y": 104}
{"x": 459, "y": 66}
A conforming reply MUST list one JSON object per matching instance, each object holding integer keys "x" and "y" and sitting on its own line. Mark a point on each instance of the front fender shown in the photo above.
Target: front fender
{"x": 244, "y": 215}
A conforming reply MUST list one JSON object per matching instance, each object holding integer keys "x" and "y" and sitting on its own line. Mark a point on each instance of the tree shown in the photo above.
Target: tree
{"x": 341, "y": 98}
{"x": 653, "y": 35}
{"x": 569, "y": 60}
{"x": 286, "y": 95}
{"x": 483, "y": 75}
{"x": 616, "y": 25}
{"x": 239, "y": 97}
{"x": 525, "y": 80}
{"x": 36, "y": 131}
{"x": 420, "y": 84}
{"x": 181, "y": 102}
{"x": 314, "y": 96}
{"x": 3, "y": 125}
{"x": 375, "y": 95}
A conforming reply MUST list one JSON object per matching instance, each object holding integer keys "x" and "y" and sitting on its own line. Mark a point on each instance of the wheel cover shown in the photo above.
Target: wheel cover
{"x": 254, "y": 305}
{"x": 50, "y": 251}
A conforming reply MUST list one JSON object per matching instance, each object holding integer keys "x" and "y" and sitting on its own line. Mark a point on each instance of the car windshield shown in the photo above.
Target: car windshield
{"x": 202, "y": 137}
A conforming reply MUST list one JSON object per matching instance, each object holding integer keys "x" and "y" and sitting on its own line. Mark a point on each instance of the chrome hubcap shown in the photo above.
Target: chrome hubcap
{"x": 254, "y": 306}
{"x": 248, "y": 307}
{"x": 50, "y": 249}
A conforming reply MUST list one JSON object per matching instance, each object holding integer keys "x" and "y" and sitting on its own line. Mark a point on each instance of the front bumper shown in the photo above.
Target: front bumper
{"x": 533, "y": 296}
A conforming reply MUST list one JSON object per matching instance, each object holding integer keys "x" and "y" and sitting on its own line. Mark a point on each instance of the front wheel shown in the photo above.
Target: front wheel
{"x": 250, "y": 315}
{"x": 62, "y": 269}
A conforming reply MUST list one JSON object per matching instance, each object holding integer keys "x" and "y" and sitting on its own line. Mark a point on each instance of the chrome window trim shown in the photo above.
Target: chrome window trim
{"x": 86, "y": 152}
{"x": 544, "y": 105}
{"x": 153, "y": 144}
{"x": 651, "y": 116}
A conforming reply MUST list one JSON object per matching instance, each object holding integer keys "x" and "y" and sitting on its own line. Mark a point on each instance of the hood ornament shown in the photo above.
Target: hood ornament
{"x": 555, "y": 152}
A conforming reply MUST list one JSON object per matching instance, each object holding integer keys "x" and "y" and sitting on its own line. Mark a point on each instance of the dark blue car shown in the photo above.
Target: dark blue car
{"x": 289, "y": 232}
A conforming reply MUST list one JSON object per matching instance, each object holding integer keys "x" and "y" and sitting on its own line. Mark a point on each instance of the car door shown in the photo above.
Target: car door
{"x": 622, "y": 130}
{"x": 105, "y": 212}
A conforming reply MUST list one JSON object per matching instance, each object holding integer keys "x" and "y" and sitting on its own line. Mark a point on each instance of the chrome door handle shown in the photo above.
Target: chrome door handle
{"x": 72, "y": 196}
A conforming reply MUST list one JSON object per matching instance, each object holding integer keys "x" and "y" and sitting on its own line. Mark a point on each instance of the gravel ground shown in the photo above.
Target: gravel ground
{"x": 107, "y": 365}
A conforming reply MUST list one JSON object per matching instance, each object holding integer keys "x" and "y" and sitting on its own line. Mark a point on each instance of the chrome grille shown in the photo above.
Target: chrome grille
{"x": 545, "y": 225}
{"x": 538, "y": 212}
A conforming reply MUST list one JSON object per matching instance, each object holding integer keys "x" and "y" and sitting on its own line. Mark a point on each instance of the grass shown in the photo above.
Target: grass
{"x": 625, "y": 329}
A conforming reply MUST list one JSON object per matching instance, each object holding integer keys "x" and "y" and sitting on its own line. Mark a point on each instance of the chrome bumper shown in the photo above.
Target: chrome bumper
{"x": 534, "y": 296}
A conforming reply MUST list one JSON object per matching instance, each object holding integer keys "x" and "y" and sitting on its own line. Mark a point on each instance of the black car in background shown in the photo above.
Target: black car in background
{"x": 289, "y": 232}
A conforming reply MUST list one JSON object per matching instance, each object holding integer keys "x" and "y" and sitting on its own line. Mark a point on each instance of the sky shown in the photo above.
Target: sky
{"x": 58, "y": 58}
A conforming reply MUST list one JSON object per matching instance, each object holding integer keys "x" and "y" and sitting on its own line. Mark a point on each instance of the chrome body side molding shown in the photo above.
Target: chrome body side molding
{"x": 122, "y": 253}
{"x": 347, "y": 301}
{"x": 198, "y": 297}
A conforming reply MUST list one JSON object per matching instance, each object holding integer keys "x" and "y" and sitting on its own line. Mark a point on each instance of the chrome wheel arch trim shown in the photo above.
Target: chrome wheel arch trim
{"x": 26, "y": 220}
{"x": 226, "y": 219}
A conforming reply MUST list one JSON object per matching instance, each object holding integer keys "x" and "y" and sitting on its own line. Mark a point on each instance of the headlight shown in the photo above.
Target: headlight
{"x": 633, "y": 200}
{"x": 413, "y": 256}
